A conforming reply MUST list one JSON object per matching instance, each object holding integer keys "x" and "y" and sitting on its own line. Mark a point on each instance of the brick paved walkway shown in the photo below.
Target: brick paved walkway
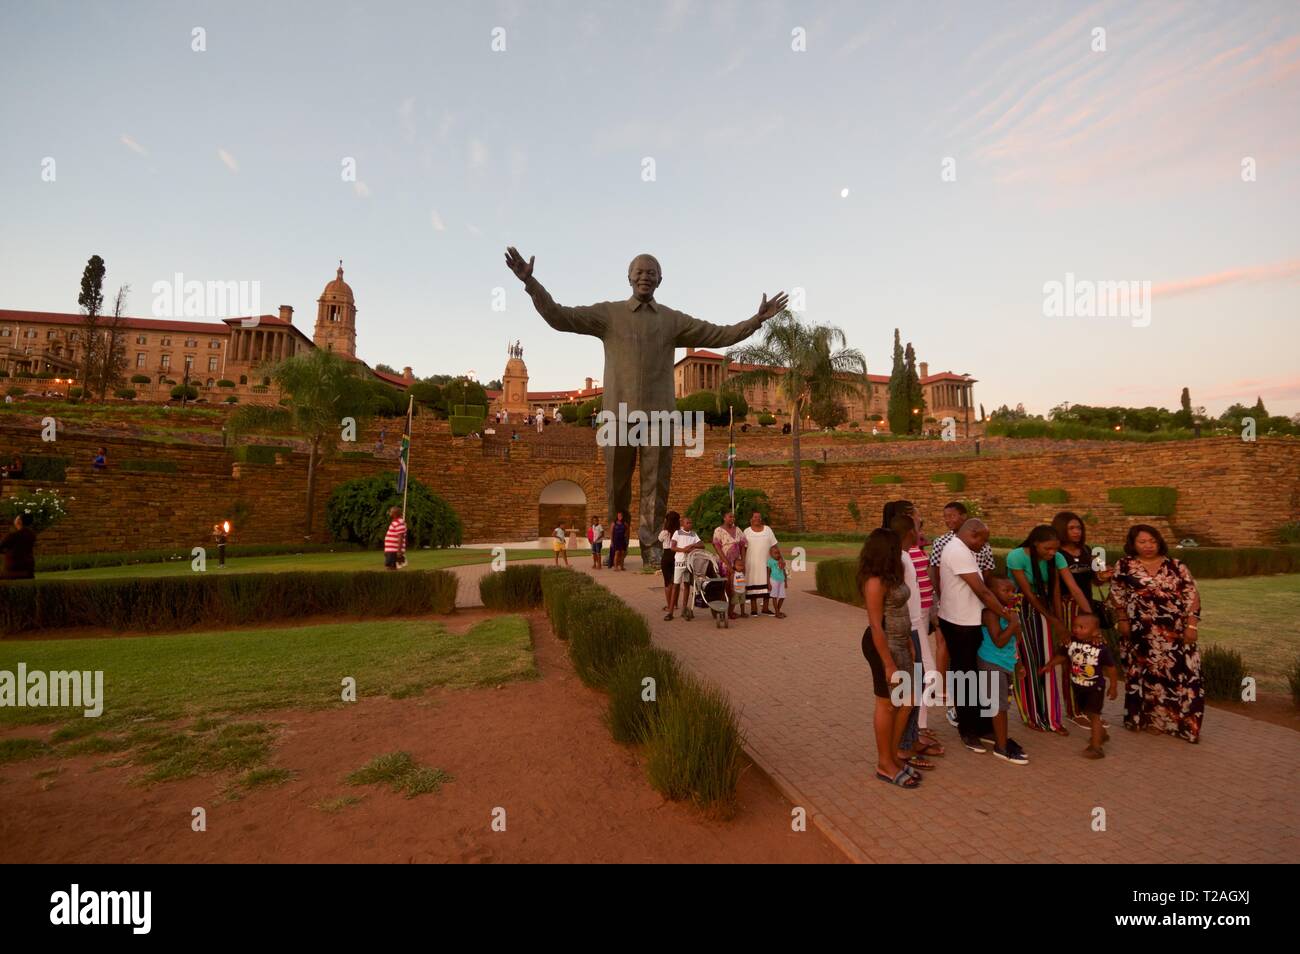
{"x": 803, "y": 692}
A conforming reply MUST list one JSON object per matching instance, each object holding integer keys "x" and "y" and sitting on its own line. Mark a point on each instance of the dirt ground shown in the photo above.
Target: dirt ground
{"x": 537, "y": 749}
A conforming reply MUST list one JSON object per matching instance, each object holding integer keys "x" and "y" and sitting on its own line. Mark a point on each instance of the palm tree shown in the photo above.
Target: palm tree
{"x": 318, "y": 390}
{"x": 808, "y": 363}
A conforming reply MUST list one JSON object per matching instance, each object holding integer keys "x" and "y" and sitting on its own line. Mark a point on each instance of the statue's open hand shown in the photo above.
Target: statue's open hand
{"x": 517, "y": 264}
{"x": 768, "y": 309}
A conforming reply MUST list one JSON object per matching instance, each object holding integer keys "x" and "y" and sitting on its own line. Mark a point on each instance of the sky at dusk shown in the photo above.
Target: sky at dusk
{"x": 927, "y": 166}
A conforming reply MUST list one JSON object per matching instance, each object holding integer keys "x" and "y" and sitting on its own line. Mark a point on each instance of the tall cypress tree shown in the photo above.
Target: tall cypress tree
{"x": 899, "y": 410}
{"x": 915, "y": 395}
{"x": 1184, "y": 416}
{"x": 91, "y": 300}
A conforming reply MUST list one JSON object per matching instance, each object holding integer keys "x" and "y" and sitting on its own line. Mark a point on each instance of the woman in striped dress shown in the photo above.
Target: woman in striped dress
{"x": 1036, "y": 567}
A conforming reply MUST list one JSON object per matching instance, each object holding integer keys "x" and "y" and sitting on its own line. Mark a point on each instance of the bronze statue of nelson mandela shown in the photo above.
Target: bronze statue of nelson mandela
{"x": 640, "y": 337}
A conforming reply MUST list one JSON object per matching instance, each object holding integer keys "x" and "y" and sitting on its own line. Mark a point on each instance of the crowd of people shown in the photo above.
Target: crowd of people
{"x": 748, "y": 561}
{"x": 943, "y": 628}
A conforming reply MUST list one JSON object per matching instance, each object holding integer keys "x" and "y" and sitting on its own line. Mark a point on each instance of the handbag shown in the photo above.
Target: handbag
{"x": 1100, "y": 610}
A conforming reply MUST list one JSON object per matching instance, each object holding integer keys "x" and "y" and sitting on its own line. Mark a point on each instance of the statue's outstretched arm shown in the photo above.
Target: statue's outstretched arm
{"x": 582, "y": 320}
{"x": 694, "y": 333}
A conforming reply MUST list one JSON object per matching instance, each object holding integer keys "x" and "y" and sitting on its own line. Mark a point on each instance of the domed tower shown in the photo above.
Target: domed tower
{"x": 336, "y": 318}
{"x": 514, "y": 383}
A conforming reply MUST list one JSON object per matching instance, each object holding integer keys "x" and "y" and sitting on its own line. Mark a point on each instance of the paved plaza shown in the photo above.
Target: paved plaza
{"x": 803, "y": 692}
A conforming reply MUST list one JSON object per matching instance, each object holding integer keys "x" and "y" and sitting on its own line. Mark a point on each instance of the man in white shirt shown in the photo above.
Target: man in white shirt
{"x": 683, "y": 542}
{"x": 962, "y": 598}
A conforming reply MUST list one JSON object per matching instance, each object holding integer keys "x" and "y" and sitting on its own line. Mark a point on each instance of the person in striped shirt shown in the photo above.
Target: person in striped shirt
{"x": 395, "y": 540}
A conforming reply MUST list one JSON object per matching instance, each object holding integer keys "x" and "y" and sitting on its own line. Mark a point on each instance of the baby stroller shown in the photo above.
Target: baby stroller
{"x": 708, "y": 587}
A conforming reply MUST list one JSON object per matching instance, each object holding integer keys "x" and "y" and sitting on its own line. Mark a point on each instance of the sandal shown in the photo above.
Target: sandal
{"x": 929, "y": 748}
{"x": 780, "y": 616}
{"x": 903, "y": 779}
{"x": 917, "y": 762}
{"x": 669, "y": 616}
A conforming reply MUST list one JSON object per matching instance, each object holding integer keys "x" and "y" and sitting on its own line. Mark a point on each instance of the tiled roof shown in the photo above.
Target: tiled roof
{"x": 140, "y": 324}
{"x": 873, "y": 378}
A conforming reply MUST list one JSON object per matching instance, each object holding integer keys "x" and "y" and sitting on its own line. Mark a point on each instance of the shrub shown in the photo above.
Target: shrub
{"x": 837, "y": 579}
{"x": 258, "y": 453}
{"x": 885, "y": 479}
{"x": 357, "y": 511}
{"x": 82, "y": 561}
{"x": 212, "y": 599}
{"x": 225, "y": 383}
{"x": 714, "y": 406}
{"x": 149, "y": 466}
{"x": 601, "y": 630}
{"x": 973, "y": 508}
{"x": 766, "y": 420}
{"x": 955, "y": 482}
{"x": 1050, "y": 495}
{"x": 583, "y": 601}
{"x": 1289, "y": 532}
{"x": 697, "y": 752}
{"x": 76, "y": 392}
{"x": 48, "y": 469}
{"x": 1144, "y": 501}
{"x": 1210, "y": 563}
{"x": 184, "y": 392}
{"x": 557, "y": 586}
{"x": 514, "y": 588}
{"x": 127, "y": 394}
{"x": 463, "y": 425}
{"x": 707, "y": 509}
{"x": 633, "y": 719}
{"x": 45, "y": 507}
{"x": 569, "y": 413}
{"x": 3, "y": 373}
{"x": 141, "y": 379}
{"x": 1222, "y": 671}
{"x": 232, "y": 400}
{"x": 854, "y": 512}
{"x": 16, "y": 391}
{"x": 261, "y": 419}
{"x": 1293, "y": 679}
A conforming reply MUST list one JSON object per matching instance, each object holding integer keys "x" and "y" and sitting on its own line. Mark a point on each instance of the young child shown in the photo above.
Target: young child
{"x": 1091, "y": 665}
{"x": 997, "y": 657}
{"x": 776, "y": 579}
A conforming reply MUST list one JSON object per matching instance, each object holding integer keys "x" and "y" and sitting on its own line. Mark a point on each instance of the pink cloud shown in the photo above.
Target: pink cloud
{"x": 1253, "y": 273}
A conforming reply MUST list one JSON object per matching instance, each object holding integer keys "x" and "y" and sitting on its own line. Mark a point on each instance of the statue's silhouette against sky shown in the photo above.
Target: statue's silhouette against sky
{"x": 640, "y": 337}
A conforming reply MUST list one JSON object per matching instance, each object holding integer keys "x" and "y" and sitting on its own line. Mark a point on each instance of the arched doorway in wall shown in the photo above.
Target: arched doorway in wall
{"x": 562, "y": 503}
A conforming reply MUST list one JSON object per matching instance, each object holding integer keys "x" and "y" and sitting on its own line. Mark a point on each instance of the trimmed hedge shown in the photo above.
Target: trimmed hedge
{"x": 514, "y": 588}
{"x": 956, "y": 481}
{"x": 213, "y": 599}
{"x": 885, "y": 479}
{"x": 1222, "y": 671}
{"x": 49, "y": 469}
{"x": 558, "y": 585}
{"x": 258, "y": 453}
{"x": 463, "y": 425}
{"x": 837, "y": 579}
{"x": 1144, "y": 501}
{"x": 141, "y": 379}
{"x": 126, "y": 394}
{"x": 601, "y": 630}
{"x": 1050, "y": 495}
{"x": 84, "y": 561}
{"x": 150, "y": 466}
{"x": 1213, "y": 563}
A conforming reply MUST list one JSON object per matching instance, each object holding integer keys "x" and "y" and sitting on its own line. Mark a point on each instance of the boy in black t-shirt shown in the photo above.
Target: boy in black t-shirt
{"x": 1091, "y": 665}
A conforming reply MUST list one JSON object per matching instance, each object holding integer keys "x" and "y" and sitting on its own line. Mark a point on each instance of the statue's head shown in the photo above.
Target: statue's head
{"x": 644, "y": 275}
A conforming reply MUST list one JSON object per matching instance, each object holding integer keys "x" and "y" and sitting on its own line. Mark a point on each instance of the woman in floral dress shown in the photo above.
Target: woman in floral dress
{"x": 1158, "y": 611}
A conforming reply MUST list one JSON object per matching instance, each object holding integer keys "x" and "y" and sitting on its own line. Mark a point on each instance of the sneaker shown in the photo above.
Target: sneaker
{"x": 952, "y": 717}
{"x": 1012, "y": 753}
{"x": 974, "y": 744}
{"x": 989, "y": 739}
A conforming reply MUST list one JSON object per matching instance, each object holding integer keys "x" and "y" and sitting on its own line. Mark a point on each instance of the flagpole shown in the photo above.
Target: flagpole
{"x": 731, "y": 452}
{"x": 406, "y": 484}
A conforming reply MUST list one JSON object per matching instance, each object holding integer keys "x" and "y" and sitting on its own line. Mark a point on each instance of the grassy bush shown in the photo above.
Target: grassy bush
{"x": 175, "y": 602}
{"x": 837, "y": 579}
{"x": 696, "y": 753}
{"x": 141, "y": 379}
{"x": 557, "y": 587}
{"x": 187, "y": 392}
{"x": 258, "y": 453}
{"x": 1050, "y": 495}
{"x": 126, "y": 394}
{"x": 1215, "y": 563}
{"x": 1144, "y": 501}
{"x": 357, "y": 511}
{"x": 956, "y": 482}
{"x": 601, "y": 633}
{"x": 514, "y": 588}
{"x": 49, "y": 469}
{"x": 885, "y": 479}
{"x": 85, "y": 561}
{"x": 633, "y": 719}
{"x": 1289, "y": 532}
{"x": 1222, "y": 671}
{"x": 150, "y": 466}
{"x": 707, "y": 509}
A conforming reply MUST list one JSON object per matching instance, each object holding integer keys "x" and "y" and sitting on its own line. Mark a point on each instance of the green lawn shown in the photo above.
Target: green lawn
{"x": 351, "y": 560}
{"x": 150, "y": 683}
{"x": 1259, "y": 616}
